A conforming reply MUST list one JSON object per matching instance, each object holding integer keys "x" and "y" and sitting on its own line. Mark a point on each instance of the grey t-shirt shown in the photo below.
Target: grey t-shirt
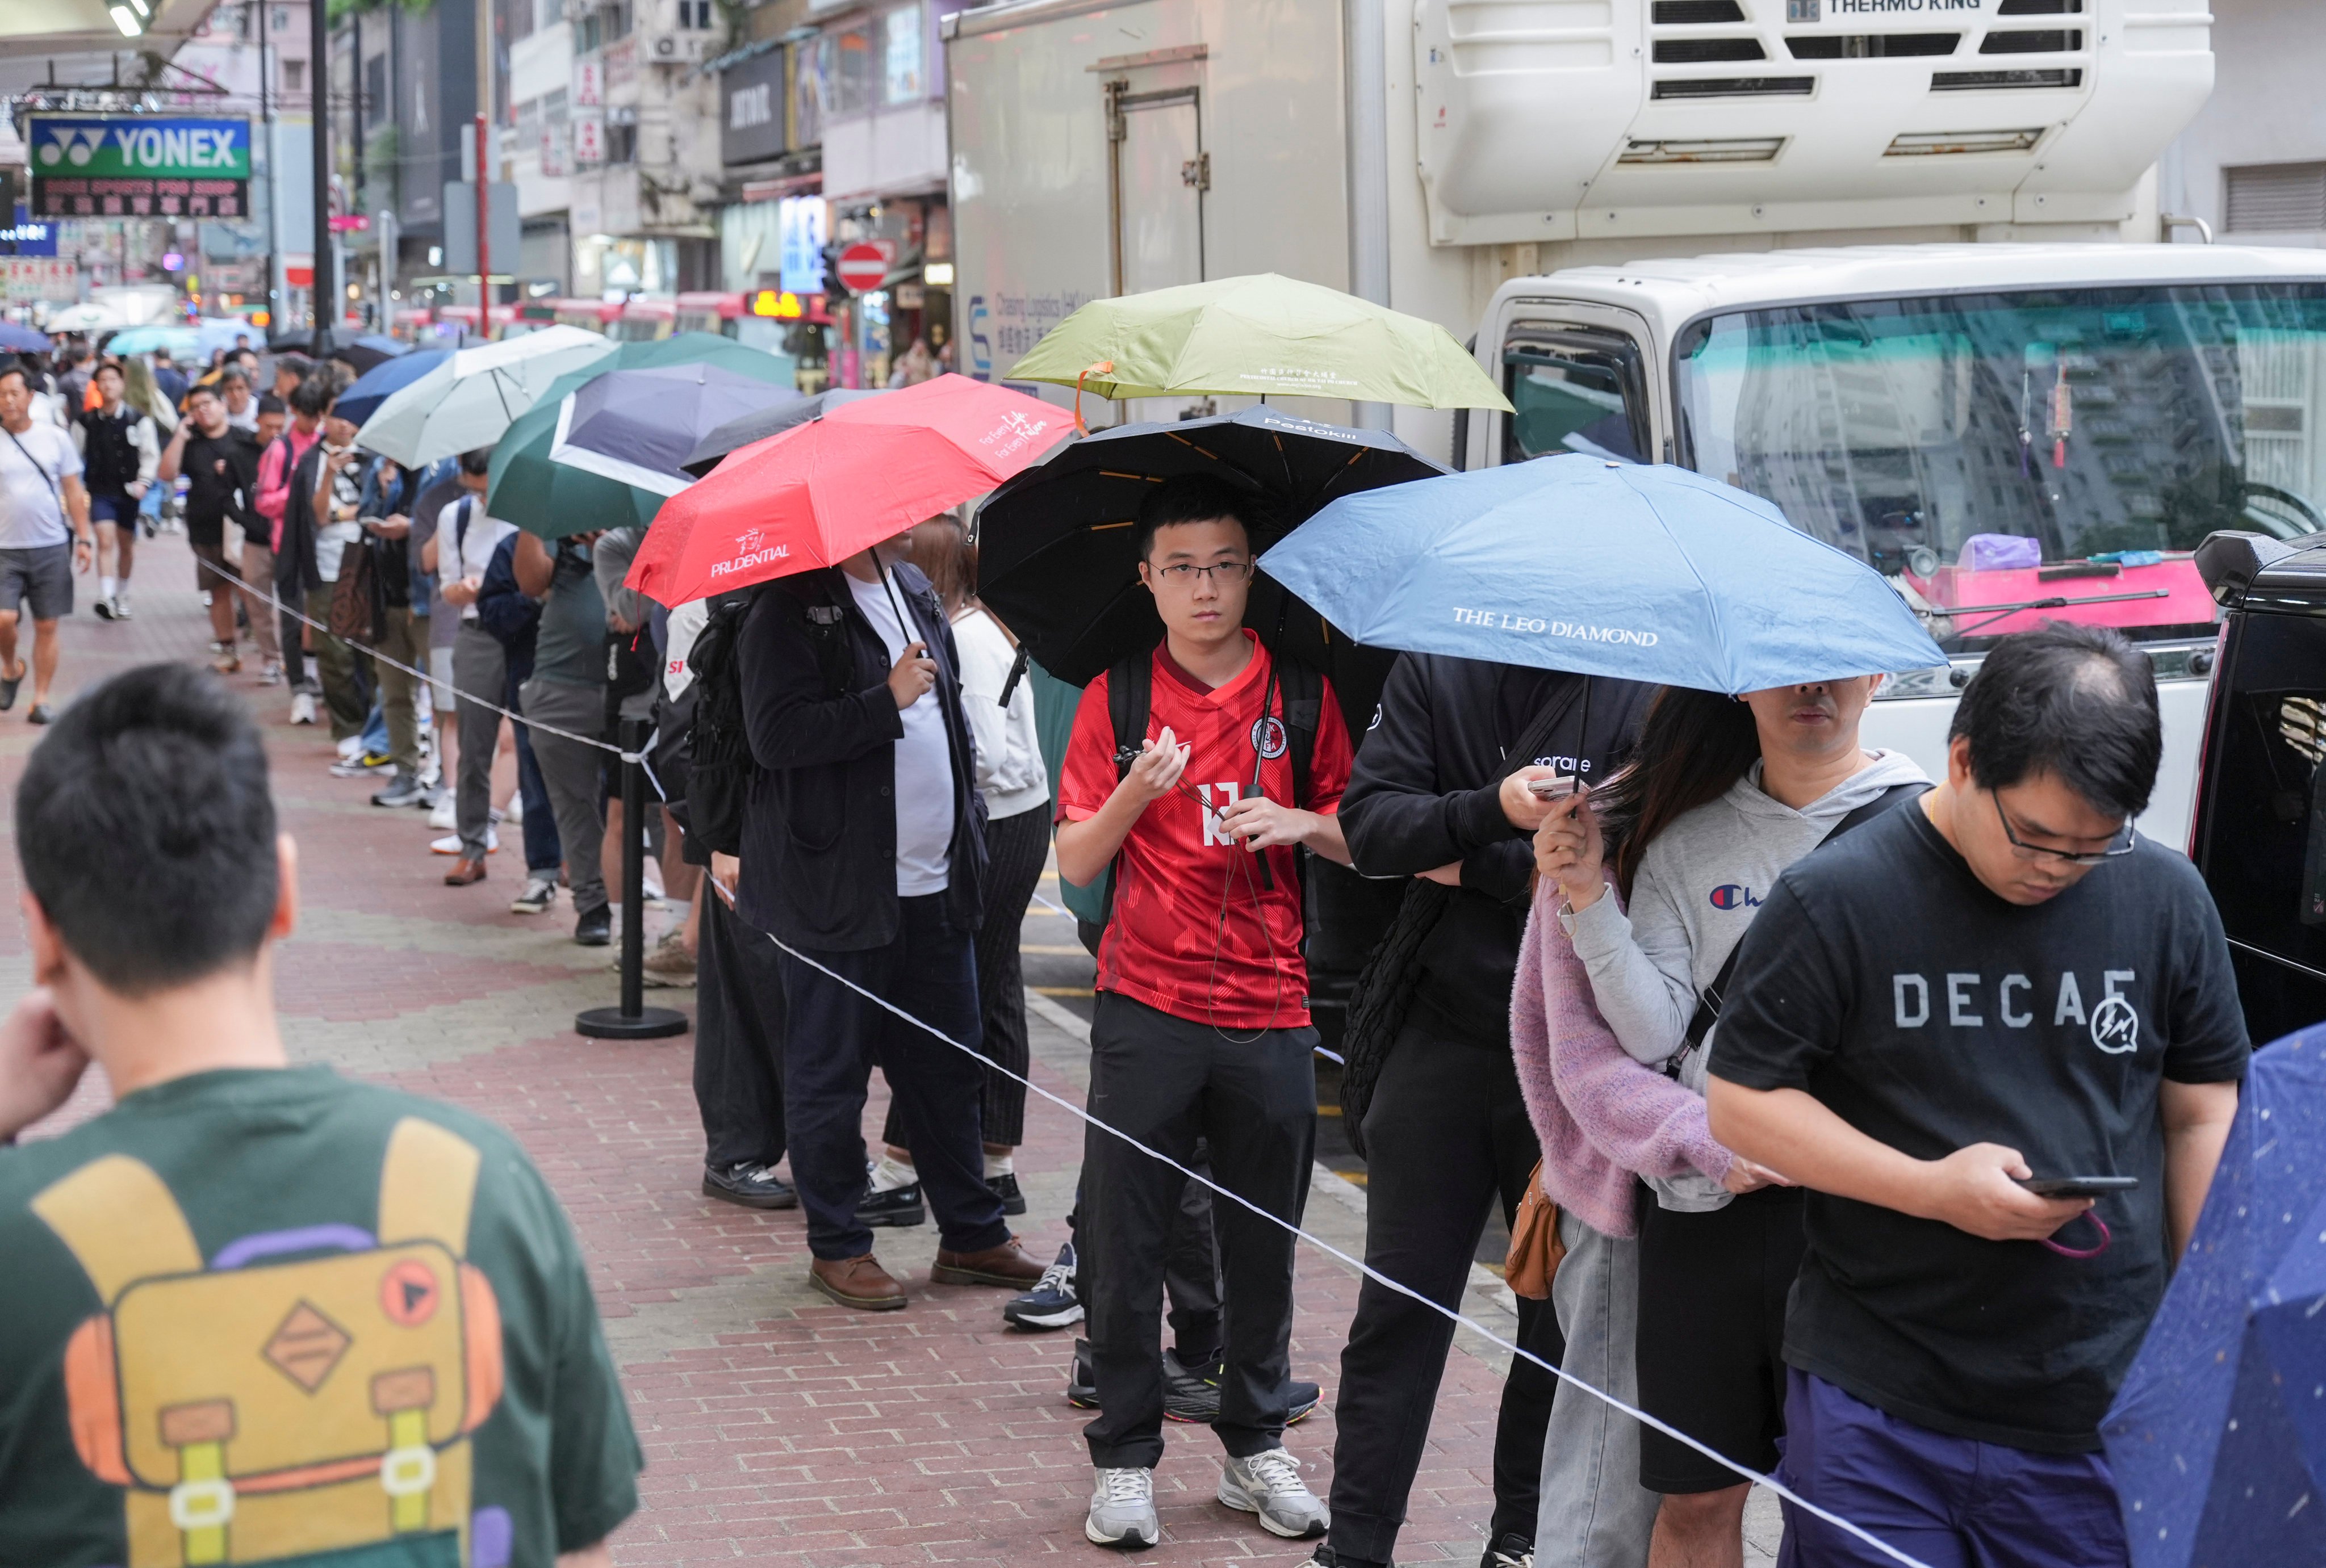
{"x": 571, "y": 647}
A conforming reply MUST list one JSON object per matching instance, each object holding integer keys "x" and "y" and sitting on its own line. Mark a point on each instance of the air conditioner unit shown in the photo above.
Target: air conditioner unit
{"x": 665, "y": 48}
{"x": 1574, "y": 119}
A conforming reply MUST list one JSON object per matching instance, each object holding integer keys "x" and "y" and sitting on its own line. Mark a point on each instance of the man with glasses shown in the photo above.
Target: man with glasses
{"x": 1999, "y": 1039}
{"x": 1202, "y": 1027}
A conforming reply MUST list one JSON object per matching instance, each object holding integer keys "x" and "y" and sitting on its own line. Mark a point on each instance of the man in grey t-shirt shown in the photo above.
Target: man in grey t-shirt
{"x": 567, "y": 692}
{"x": 40, "y": 490}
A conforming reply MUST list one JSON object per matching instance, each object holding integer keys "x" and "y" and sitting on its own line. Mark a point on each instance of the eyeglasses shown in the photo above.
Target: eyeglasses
{"x": 1184, "y": 576}
{"x": 2122, "y": 844}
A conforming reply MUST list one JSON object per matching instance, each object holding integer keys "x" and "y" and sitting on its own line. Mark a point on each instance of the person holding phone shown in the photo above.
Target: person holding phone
{"x": 2001, "y": 983}
{"x": 1722, "y": 793}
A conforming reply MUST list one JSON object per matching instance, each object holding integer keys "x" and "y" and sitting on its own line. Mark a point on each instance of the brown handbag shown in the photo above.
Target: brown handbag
{"x": 1535, "y": 1247}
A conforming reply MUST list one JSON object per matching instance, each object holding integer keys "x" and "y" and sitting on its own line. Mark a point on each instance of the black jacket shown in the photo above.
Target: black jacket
{"x": 820, "y": 829}
{"x": 1425, "y": 793}
{"x": 297, "y": 572}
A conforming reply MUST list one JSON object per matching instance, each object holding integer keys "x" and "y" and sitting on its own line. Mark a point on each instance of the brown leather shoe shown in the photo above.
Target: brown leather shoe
{"x": 857, "y": 1281}
{"x": 465, "y": 871}
{"x": 1009, "y": 1264}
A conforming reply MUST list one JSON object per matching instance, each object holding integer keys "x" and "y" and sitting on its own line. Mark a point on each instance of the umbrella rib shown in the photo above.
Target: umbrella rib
{"x": 1711, "y": 601}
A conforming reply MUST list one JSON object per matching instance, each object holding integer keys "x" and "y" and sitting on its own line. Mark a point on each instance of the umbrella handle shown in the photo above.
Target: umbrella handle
{"x": 2084, "y": 1251}
{"x": 1102, "y": 368}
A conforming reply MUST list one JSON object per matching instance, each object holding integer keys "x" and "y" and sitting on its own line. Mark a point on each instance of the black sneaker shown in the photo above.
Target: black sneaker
{"x": 1005, "y": 1187}
{"x": 1052, "y": 1304}
{"x": 104, "y": 608}
{"x": 897, "y": 1206}
{"x": 1082, "y": 1383}
{"x": 752, "y": 1186}
{"x": 1325, "y": 1557}
{"x": 1192, "y": 1394}
{"x": 595, "y": 927}
{"x": 8, "y": 684}
{"x": 1507, "y": 1550}
{"x": 42, "y": 713}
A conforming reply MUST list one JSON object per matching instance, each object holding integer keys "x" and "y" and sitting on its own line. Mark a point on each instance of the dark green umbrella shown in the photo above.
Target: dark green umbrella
{"x": 554, "y": 499}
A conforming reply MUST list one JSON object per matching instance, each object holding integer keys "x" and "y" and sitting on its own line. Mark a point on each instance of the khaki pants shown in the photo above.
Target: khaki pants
{"x": 405, "y": 639}
{"x": 258, "y": 580}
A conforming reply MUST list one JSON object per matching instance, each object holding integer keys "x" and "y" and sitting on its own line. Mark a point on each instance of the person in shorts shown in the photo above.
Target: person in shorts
{"x": 119, "y": 453}
{"x": 44, "y": 535}
{"x": 258, "y": 1311}
{"x": 220, "y": 465}
{"x": 2001, "y": 982}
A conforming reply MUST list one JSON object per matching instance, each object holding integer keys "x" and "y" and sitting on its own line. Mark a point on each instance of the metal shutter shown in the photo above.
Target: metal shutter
{"x": 2276, "y": 198}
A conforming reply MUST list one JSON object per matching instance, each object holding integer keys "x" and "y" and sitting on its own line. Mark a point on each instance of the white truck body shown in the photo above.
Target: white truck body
{"x": 1509, "y": 168}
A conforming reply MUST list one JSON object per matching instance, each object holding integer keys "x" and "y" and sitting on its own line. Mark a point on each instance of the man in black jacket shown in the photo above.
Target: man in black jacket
{"x": 863, "y": 847}
{"x": 1437, "y": 793}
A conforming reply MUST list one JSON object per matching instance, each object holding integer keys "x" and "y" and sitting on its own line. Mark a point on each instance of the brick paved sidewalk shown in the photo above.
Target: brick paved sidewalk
{"x": 778, "y": 1426}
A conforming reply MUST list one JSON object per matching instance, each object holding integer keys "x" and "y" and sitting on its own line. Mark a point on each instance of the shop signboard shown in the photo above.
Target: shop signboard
{"x": 800, "y": 228}
{"x": 138, "y": 166}
{"x": 25, "y": 277}
{"x": 589, "y": 140}
{"x": 751, "y": 98}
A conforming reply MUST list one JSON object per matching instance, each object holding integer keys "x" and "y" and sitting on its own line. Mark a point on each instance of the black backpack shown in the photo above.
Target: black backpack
{"x": 721, "y": 766}
{"x": 1130, "y": 701}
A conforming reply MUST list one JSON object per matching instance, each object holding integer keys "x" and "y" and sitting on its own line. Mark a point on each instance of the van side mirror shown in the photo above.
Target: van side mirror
{"x": 2229, "y": 561}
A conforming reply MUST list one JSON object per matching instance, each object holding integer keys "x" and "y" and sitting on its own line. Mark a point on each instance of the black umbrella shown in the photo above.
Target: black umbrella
{"x": 360, "y": 357}
{"x": 1054, "y": 558}
{"x": 760, "y": 424}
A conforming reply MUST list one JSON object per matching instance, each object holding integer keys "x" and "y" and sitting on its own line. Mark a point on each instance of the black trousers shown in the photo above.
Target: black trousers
{"x": 1191, "y": 1267}
{"x": 1015, "y": 849}
{"x": 1446, "y": 1135}
{"x": 832, "y": 1040}
{"x": 1169, "y": 1082}
{"x": 739, "y": 1040}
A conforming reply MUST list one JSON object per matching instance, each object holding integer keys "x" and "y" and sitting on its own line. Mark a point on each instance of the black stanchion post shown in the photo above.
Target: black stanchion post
{"x": 633, "y": 1020}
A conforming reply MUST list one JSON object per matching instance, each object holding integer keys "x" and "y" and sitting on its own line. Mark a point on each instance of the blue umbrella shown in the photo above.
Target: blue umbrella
{"x": 1599, "y": 568}
{"x": 2217, "y": 1436}
{"x": 364, "y": 396}
{"x": 22, "y": 339}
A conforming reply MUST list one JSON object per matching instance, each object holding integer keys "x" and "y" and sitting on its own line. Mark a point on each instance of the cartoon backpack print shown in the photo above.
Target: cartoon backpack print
{"x": 276, "y": 1404}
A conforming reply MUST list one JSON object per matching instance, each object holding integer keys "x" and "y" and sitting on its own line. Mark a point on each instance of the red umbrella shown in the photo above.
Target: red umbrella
{"x": 818, "y": 493}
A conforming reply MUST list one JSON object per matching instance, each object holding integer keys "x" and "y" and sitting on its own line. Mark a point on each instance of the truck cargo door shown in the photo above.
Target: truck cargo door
{"x": 1160, "y": 174}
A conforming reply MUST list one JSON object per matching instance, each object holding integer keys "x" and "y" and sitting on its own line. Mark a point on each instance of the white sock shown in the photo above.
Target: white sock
{"x": 1001, "y": 1165}
{"x": 108, "y": 587}
{"x": 889, "y": 1174}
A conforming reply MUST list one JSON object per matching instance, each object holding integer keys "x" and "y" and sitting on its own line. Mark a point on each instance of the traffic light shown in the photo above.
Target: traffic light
{"x": 835, "y": 291}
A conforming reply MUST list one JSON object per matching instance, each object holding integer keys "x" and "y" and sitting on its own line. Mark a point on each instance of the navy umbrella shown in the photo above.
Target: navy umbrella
{"x": 21, "y": 340}
{"x": 2217, "y": 1436}
{"x": 362, "y": 399}
{"x": 760, "y": 424}
{"x": 638, "y": 426}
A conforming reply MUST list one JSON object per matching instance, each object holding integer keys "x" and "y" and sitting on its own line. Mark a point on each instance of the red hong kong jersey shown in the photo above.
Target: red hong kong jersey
{"x": 1195, "y": 930}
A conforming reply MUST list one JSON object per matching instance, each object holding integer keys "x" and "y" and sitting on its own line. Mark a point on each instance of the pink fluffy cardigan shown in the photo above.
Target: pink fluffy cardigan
{"x": 1601, "y": 1117}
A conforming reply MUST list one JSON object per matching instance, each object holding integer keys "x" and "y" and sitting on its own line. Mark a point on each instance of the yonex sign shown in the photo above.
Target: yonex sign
{"x": 138, "y": 165}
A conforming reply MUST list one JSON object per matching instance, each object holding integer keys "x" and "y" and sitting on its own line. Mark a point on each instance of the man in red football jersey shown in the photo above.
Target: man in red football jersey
{"x": 1202, "y": 1028}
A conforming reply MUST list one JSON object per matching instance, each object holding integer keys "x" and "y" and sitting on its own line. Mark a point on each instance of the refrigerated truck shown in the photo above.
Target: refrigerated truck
{"x": 1872, "y": 259}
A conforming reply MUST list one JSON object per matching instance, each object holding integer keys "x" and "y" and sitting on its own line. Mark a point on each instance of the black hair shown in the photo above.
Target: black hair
{"x": 145, "y": 830}
{"x": 1193, "y": 498}
{"x": 298, "y": 364}
{"x": 1693, "y": 745}
{"x": 314, "y": 397}
{"x": 477, "y": 460}
{"x": 15, "y": 366}
{"x": 270, "y": 403}
{"x": 2077, "y": 702}
{"x": 210, "y": 389}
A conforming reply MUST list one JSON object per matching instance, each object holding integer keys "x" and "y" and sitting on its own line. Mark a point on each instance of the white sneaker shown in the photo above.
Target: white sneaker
{"x": 272, "y": 675}
{"x": 450, "y": 844}
{"x": 350, "y": 748}
{"x": 513, "y": 812}
{"x": 1122, "y": 1509}
{"x": 303, "y": 709}
{"x": 445, "y": 818}
{"x": 1270, "y": 1485}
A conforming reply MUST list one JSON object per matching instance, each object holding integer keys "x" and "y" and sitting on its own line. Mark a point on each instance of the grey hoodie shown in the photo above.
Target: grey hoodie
{"x": 1697, "y": 886}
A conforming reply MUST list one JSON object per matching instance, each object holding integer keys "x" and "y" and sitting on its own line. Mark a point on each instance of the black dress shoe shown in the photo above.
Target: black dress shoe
{"x": 752, "y": 1186}
{"x": 897, "y": 1206}
{"x": 1005, "y": 1187}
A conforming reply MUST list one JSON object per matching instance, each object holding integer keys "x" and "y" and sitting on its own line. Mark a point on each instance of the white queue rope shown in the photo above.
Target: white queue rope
{"x": 1747, "y": 1472}
{"x": 1369, "y": 1272}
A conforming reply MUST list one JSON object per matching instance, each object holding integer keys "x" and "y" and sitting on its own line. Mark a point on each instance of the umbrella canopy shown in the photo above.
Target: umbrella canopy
{"x": 1054, "y": 555}
{"x": 821, "y": 491}
{"x": 1600, "y": 568}
{"x": 470, "y": 400}
{"x": 360, "y": 401}
{"x": 360, "y": 359}
{"x": 1260, "y": 336}
{"x": 2218, "y": 1434}
{"x": 380, "y": 343}
{"x": 16, "y": 338}
{"x": 554, "y": 499}
{"x": 182, "y": 342}
{"x": 86, "y": 317}
{"x": 636, "y": 426}
{"x": 758, "y": 425}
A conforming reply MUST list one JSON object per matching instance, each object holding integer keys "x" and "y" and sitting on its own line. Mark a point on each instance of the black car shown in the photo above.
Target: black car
{"x": 2259, "y": 835}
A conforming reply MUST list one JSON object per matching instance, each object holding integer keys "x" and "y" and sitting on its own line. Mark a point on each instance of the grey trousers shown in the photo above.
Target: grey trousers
{"x": 479, "y": 665}
{"x": 1595, "y": 1514}
{"x": 570, "y": 771}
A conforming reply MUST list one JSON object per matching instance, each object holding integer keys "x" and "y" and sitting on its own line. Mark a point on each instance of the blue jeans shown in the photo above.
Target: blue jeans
{"x": 1953, "y": 1502}
{"x": 832, "y": 1039}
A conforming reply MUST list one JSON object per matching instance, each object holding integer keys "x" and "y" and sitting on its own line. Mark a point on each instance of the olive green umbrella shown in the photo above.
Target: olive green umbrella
{"x": 1258, "y": 336}
{"x": 552, "y": 499}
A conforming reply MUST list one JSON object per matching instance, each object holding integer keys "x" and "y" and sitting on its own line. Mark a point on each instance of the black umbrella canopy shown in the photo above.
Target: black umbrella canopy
{"x": 760, "y": 424}
{"x": 1054, "y": 558}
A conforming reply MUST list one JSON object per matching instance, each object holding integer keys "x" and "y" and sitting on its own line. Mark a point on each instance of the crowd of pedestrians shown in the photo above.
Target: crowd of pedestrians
{"x": 1782, "y": 1026}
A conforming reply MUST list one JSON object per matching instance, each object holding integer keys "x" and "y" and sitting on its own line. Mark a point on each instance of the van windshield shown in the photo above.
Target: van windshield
{"x": 1991, "y": 450}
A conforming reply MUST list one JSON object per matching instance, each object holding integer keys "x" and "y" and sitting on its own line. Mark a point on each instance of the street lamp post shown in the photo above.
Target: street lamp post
{"x": 325, "y": 291}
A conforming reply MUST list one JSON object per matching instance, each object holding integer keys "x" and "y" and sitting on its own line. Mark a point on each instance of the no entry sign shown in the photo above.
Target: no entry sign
{"x": 863, "y": 267}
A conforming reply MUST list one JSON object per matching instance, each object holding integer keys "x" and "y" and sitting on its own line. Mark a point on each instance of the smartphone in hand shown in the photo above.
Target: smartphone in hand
{"x": 2078, "y": 1186}
{"x": 1557, "y": 787}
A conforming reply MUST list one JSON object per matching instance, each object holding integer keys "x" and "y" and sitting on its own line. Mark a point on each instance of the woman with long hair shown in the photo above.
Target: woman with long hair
{"x": 1017, "y": 791}
{"x": 1721, "y": 795}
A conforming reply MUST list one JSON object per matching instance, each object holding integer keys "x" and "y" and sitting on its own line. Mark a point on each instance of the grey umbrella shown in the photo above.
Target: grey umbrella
{"x": 761, "y": 423}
